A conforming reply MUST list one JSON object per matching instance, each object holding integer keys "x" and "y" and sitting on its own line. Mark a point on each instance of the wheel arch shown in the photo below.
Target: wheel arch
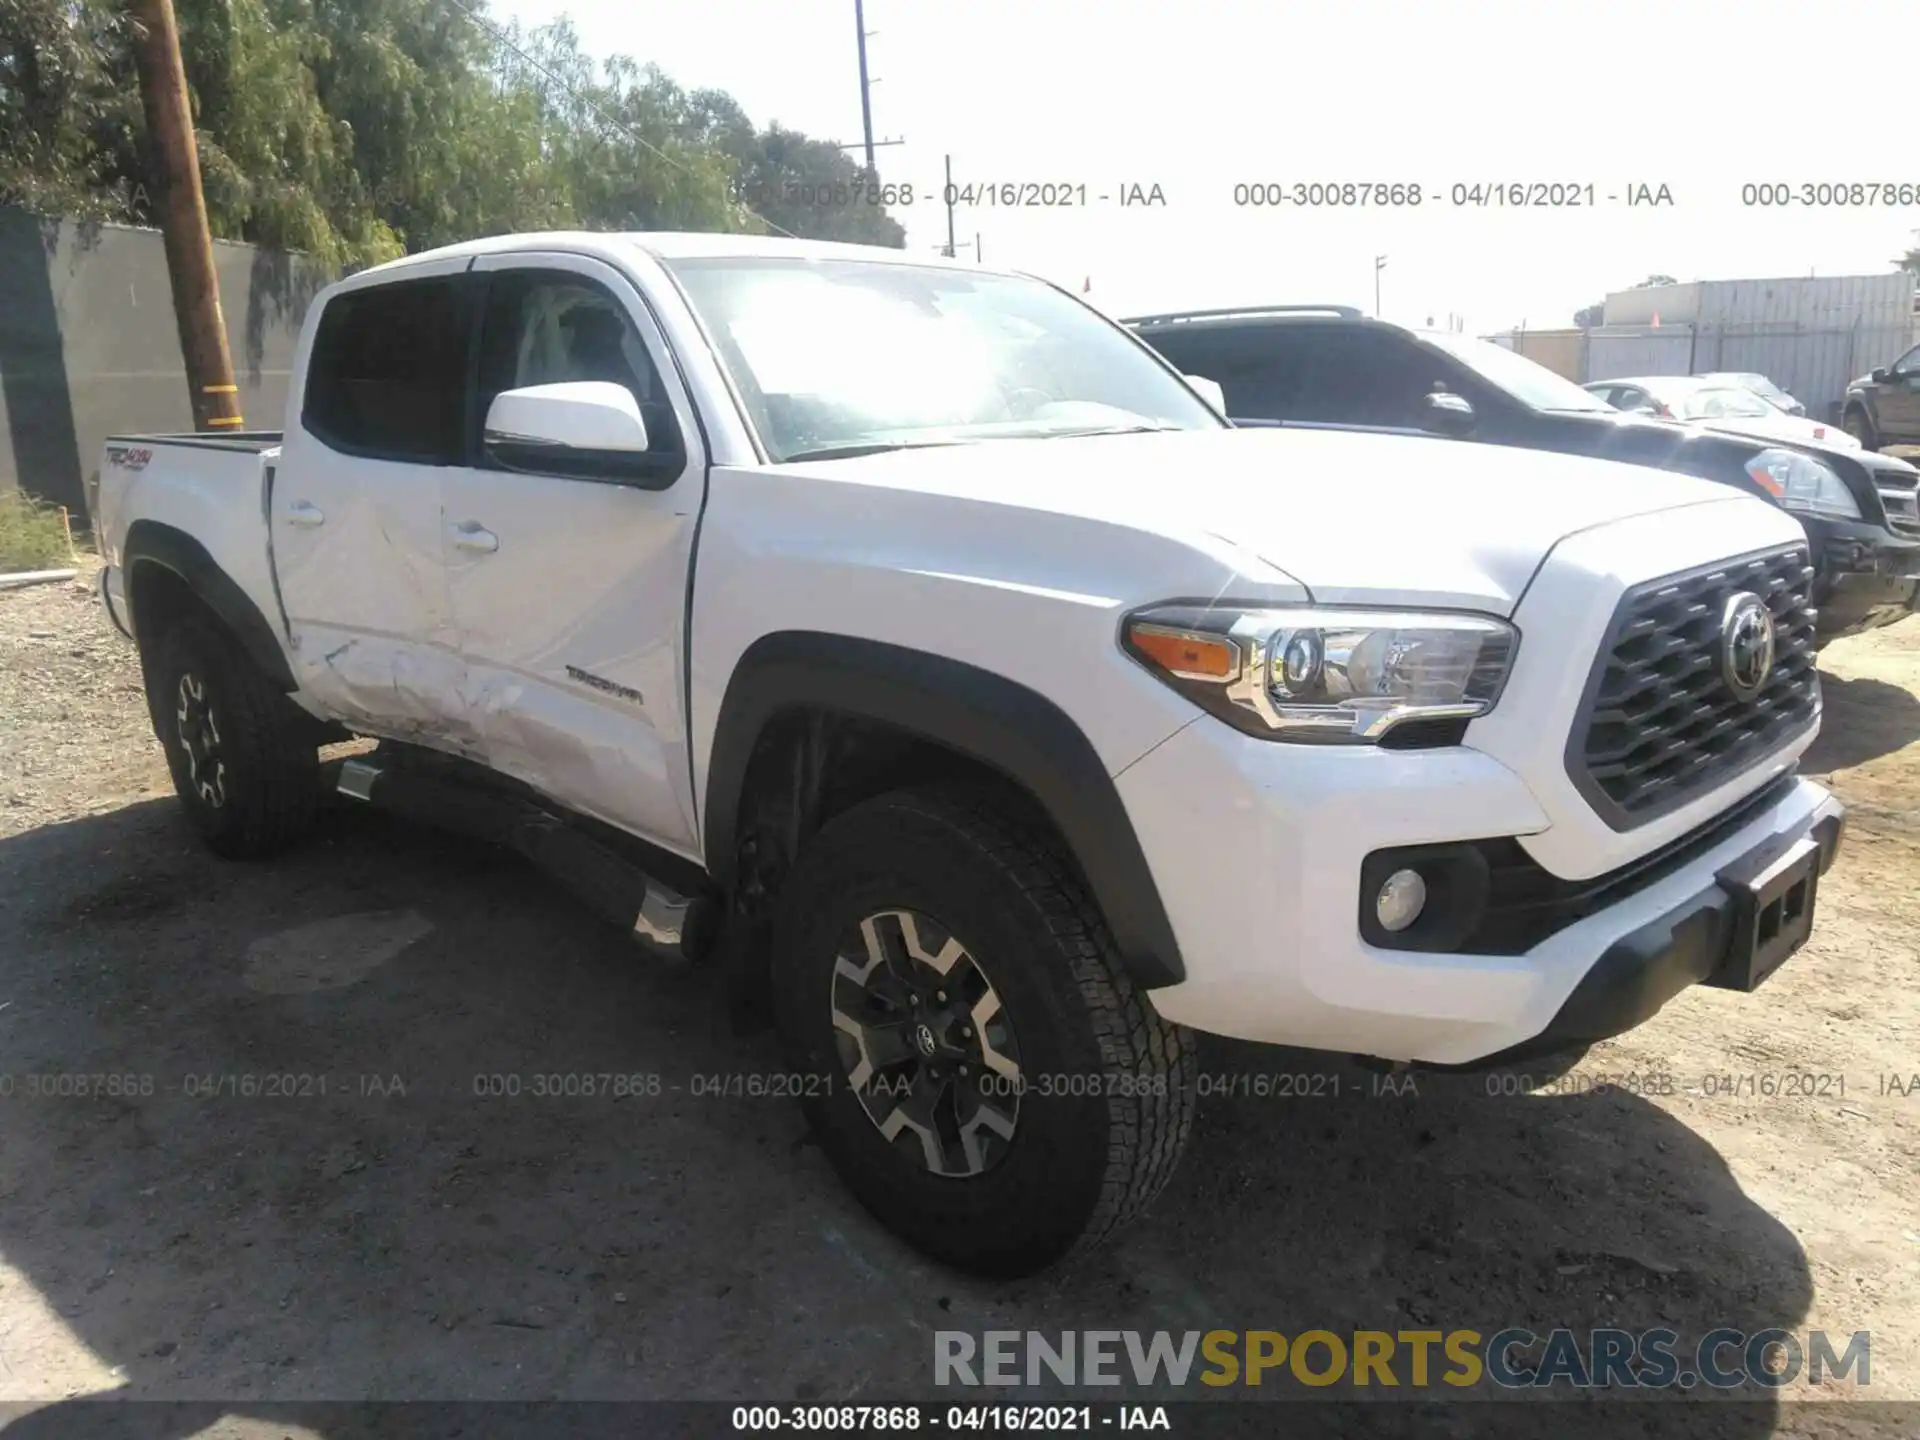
{"x": 788, "y": 683}
{"x": 153, "y": 548}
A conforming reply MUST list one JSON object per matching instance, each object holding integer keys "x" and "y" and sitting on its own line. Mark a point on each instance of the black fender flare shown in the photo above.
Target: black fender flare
{"x": 986, "y": 717}
{"x": 150, "y": 542}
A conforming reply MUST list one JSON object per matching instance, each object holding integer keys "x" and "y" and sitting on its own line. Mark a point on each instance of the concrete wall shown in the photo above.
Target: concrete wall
{"x": 89, "y": 346}
{"x": 1562, "y": 351}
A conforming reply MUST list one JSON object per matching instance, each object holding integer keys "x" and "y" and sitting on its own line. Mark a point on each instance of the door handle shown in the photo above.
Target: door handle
{"x": 305, "y": 513}
{"x": 472, "y": 535}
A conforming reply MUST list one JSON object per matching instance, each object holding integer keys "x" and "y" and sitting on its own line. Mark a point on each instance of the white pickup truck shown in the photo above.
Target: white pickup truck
{"x": 920, "y": 643}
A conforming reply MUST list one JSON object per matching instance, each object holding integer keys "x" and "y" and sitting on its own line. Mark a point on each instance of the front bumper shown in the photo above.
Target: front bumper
{"x": 1262, "y": 890}
{"x": 1865, "y": 576}
{"x": 1692, "y": 944}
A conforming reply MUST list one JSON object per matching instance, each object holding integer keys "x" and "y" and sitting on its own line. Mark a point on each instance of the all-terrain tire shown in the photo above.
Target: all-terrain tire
{"x": 1106, "y": 1087}
{"x": 1858, "y": 425}
{"x": 241, "y": 753}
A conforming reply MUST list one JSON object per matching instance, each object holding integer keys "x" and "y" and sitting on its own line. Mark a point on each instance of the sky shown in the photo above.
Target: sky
{"x": 1203, "y": 96}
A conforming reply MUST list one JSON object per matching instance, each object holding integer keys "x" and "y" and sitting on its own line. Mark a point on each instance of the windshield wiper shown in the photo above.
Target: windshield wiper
{"x": 1107, "y": 430}
{"x": 872, "y": 447}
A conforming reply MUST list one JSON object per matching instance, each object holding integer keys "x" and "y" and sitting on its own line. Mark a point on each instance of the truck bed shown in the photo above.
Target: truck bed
{"x": 209, "y": 490}
{"x": 252, "y": 441}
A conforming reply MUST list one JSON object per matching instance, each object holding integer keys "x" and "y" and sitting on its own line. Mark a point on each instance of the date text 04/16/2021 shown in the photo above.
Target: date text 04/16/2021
{"x": 908, "y": 1418}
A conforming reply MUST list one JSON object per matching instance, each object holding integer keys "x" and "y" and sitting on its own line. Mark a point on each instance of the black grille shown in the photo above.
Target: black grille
{"x": 1660, "y": 725}
{"x": 1902, "y": 513}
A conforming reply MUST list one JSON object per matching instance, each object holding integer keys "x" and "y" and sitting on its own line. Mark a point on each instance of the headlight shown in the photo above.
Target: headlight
{"x": 1328, "y": 675}
{"x": 1803, "y": 484}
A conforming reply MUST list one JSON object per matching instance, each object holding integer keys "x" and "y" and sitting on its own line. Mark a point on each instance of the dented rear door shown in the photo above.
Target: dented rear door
{"x": 355, "y": 504}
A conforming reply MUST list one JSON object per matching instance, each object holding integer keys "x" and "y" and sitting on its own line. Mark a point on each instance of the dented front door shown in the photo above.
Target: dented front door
{"x": 355, "y": 506}
{"x": 569, "y": 594}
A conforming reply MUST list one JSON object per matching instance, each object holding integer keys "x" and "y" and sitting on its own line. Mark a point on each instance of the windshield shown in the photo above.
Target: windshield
{"x": 835, "y": 357}
{"x": 1526, "y": 380}
{"x": 1758, "y": 384}
{"x": 1716, "y": 402}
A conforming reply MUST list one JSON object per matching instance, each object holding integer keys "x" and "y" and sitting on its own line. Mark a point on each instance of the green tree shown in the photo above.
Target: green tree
{"x": 278, "y": 168}
{"x": 69, "y": 111}
{"x": 356, "y": 130}
{"x": 616, "y": 142}
{"x": 810, "y": 187}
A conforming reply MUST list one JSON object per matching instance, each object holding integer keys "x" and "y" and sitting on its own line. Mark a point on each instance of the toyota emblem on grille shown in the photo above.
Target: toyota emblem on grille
{"x": 1746, "y": 644}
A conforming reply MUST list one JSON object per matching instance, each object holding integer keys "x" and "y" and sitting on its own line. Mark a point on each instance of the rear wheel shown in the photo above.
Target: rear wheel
{"x": 980, "y": 1069}
{"x": 241, "y": 753}
{"x": 1861, "y": 428}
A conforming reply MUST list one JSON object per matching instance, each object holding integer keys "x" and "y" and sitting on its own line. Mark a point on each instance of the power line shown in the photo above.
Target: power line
{"x": 617, "y": 123}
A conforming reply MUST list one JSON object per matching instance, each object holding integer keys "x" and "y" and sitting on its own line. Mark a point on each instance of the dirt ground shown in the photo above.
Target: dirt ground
{"x": 367, "y": 1225}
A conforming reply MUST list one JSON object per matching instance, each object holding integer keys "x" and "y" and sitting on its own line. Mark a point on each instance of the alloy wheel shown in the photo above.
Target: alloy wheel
{"x": 927, "y": 1046}
{"x": 199, "y": 737}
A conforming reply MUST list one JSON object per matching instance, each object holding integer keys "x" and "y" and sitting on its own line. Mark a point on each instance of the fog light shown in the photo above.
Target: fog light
{"x": 1401, "y": 900}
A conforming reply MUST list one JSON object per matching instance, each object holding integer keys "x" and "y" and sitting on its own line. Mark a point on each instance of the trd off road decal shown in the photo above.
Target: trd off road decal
{"x": 128, "y": 457}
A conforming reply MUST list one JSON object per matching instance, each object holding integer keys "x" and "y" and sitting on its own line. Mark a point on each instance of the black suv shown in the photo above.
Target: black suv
{"x": 1329, "y": 366}
{"x": 1883, "y": 408}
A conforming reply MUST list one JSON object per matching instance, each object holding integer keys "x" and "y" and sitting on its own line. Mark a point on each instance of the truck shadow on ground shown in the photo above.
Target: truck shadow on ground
{"x": 1861, "y": 720}
{"x": 324, "y": 1173}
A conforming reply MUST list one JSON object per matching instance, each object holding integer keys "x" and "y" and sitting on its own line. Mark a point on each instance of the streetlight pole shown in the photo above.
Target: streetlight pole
{"x": 1379, "y": 264}
{"x": 948, "y": 197}
{"x": 866, "y": 99}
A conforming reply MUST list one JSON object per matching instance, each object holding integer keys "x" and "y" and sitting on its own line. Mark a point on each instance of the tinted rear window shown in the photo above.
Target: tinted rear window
{"x": 388, "y": 371}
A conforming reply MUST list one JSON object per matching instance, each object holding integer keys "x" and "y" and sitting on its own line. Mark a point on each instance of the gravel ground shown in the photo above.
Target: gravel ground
{"x": 376, "y": 1228}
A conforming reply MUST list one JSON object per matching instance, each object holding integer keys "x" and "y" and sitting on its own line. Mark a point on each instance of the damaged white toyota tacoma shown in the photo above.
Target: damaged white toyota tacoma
{"x": 917, "y": 645}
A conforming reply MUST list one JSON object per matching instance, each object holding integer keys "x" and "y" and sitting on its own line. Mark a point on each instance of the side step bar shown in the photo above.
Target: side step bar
{"x": 671, "y": 925}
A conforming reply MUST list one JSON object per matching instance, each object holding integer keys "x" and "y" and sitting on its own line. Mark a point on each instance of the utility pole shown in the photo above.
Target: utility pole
{"x": 1379, "y": 264}
{"x": 183, "y": 217}
{"x": 947, "y": 195}
{"x": 866, "y": 98}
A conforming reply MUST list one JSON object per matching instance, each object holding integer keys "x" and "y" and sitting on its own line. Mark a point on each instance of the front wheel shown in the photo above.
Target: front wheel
{"x": 980, "y": 1069}
{"x": 1861, "y": 428}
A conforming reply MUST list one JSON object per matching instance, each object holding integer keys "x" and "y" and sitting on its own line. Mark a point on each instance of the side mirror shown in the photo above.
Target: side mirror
{"x": 1209, "y": 391}
{"x": 1879, "y": 375}
{"x": 1448, "y": 414}
{"x": 584, "y": 429}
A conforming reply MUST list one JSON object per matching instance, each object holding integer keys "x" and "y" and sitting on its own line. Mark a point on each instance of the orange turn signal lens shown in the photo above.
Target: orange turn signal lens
{"x": 1187, "y": 653}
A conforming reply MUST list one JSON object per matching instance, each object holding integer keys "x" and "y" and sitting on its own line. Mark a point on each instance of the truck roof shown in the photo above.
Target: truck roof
{"x": 678, "y": 245}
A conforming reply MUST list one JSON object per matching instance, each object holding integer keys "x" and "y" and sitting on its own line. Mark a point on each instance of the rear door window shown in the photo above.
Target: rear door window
{"x": 387, "y": 376}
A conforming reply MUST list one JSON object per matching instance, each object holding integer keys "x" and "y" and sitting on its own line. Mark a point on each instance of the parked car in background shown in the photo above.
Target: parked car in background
{"x": 1761, "y": 386}
{"x": 1329, "y": 366}
{"x": 1883, "y": 407}
{"x": 1716, "y": 404}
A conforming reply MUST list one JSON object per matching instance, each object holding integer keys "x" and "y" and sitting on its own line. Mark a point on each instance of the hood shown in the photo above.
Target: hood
{"x": 1808, "y": 434}
{"x": 1354, "y": 517}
